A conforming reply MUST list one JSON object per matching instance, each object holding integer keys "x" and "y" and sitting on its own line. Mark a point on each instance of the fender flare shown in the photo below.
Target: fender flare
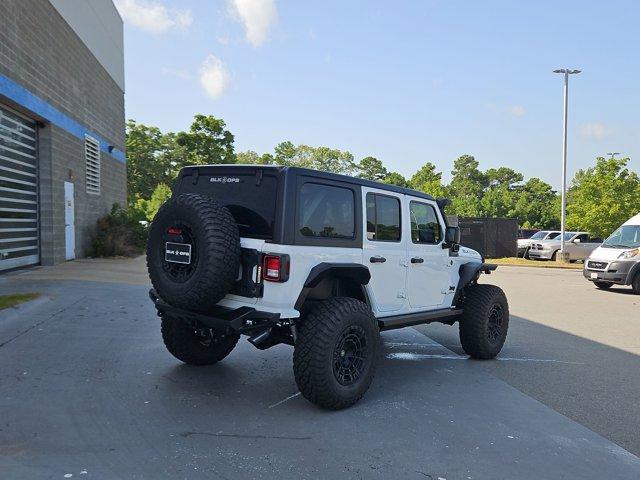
{"x": 352, "y": 271}
{"x": 469, "y": 273}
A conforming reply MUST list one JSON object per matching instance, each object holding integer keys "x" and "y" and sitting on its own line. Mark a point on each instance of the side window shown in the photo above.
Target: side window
{"x": 425, "y": 227}
{"x": 583, "y": 238}
{"x": 326, "y": 211}
{"x": 553, "y": 235}
{"x": 383, "y": 218}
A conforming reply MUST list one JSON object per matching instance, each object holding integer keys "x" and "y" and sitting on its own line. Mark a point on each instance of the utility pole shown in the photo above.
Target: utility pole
{"x": 563, "y": 214}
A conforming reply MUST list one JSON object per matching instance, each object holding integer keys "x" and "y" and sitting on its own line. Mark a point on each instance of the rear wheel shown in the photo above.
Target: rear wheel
{"x": 603, "y": 285}
{"x": 195, "y": 346}
{"x": 336, "y": 351}
{"x": 484, "y": 322}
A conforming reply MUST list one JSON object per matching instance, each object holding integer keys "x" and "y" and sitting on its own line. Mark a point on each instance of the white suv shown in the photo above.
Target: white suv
{"x": 318, "y": 261}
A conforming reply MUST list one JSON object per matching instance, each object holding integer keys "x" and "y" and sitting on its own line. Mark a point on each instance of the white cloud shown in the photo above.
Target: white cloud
{"x": 214, "y": 76}
{"x": 517, "y": 111}
{"x": 256, "y": 16}
{"x": 595, "y": 130}
{"x": 152, "y": 16}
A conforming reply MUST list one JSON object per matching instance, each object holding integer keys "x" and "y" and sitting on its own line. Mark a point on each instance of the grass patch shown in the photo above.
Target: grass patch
{"x": 8, "y": 301}
{"x": 523, "y": 262}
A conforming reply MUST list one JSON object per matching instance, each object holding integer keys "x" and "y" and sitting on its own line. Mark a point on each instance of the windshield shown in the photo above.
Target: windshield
{"x": 568, "y": 236}
{"x": 627, "y": 236}
{"x": 538, "y": 235}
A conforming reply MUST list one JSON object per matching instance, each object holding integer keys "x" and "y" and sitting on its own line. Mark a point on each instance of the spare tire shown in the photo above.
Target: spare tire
{"x": 206, "y": 235}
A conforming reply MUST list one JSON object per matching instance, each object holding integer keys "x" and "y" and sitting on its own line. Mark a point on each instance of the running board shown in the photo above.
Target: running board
{"x": 445, "y": 315}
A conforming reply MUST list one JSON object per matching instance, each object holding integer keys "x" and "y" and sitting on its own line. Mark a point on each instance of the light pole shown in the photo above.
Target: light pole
{"x": 563, "y": 214}
{"x": 613, "y": 154}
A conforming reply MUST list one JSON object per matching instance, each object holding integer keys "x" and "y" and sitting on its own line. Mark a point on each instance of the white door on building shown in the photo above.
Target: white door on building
{"x": 69, "y": 221}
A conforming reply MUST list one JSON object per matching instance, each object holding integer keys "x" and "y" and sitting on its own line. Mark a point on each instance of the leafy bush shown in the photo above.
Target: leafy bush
{"x": 120, "y": 233}
{"x": 148, "y": 208}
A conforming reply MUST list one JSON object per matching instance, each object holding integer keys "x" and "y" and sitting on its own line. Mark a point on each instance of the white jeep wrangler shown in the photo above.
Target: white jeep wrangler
{"x": 319, "y": 261}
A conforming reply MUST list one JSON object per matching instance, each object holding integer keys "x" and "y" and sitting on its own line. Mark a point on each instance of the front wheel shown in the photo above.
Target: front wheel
{"x": 484, "y": 322}
{"x": 336, "y": 351}
{"x": 636, "y": 284}
{"x": 603, "y": 285}
{"x": 195, "y": 346}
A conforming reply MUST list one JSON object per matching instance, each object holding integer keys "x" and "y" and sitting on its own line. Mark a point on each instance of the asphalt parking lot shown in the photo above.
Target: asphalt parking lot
{"x": 87, "y": 390}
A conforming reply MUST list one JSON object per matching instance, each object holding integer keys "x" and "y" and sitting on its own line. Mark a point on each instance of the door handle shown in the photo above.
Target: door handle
{"x": 377, "y": 259}
{"x": 417, "y": 260}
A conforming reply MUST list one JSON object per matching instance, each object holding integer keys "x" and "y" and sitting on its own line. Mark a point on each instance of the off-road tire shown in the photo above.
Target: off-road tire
{"x": 635, "y": 284}
{"x": 319, "y": 352}
{"x": 192, "y": 348}
{"x": 215, "y": 257}
{"x": 603, "y": 285}
{"x": 478, "y": 333}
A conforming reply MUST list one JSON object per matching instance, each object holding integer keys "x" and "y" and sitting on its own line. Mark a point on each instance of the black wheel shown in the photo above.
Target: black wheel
{"x": 635, "y": 285}
{"x": 554, "y": 256}
{"x": 526, "y": 254}
{"x": 336, "y": 352}
{"x": 195, "y": 346}
{"x": 212, "y": 233}
{"x": 603, "y": 285}
{"x": 484, "y": 322}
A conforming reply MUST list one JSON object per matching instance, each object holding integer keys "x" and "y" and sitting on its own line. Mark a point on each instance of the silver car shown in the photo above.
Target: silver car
{"x": 578, "y": 244}
{"x": 525, "y": 243}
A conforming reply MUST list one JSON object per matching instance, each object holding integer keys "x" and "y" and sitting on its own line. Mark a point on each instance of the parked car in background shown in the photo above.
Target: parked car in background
{"x": 525, "y": 243}
{"x": 578, "y": 244}
{"x": 617, "y": 260}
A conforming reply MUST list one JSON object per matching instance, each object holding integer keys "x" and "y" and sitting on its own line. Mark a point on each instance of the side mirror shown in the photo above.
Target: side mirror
{"x": 575, "y": 240}
{"x": 451, "y": 237}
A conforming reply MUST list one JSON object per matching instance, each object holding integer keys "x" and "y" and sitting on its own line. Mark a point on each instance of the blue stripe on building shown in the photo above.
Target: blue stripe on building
{"x": 41, "y": 108}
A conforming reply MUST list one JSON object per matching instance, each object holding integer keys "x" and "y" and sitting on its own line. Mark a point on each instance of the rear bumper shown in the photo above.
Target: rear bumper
{"x": 620, "y": 273}
{"x": 243, "y": 320}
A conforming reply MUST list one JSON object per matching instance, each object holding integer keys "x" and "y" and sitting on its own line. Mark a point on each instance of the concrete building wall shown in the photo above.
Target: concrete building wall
{"x": 48, "y": 73}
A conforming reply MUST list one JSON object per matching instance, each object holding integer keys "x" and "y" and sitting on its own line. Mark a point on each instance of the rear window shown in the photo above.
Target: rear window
{"x": 326, "y": 211}
{"x": 251, "y": 200}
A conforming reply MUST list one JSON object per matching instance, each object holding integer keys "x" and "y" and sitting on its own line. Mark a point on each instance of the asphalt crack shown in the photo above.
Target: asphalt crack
{"x": 239, "y": 435}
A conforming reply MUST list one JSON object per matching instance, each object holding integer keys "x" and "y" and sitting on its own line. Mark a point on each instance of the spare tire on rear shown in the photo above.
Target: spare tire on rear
{"x": 207, "y": 237}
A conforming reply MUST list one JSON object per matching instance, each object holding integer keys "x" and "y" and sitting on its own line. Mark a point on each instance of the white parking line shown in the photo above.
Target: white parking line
{"x": 422, "y": 356}
{"x": 285, "y": 400}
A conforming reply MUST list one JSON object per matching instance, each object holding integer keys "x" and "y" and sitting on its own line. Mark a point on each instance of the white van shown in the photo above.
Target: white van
{"x": 617, "y": 260}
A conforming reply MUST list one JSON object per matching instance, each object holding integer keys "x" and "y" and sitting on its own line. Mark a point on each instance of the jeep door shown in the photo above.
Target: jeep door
{"x": 384, "y": 251}
{"x": 429, "y": 266}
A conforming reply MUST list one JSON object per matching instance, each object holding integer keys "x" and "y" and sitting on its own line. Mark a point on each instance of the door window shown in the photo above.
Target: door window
{"x": 425, "y": 227}
{"x": 383, "y": 218}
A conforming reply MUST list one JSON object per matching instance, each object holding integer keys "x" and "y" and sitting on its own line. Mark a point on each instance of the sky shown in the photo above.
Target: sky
{"x": 404, "y": 81}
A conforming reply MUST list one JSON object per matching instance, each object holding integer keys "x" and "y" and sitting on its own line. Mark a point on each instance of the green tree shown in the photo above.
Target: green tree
{"x": 537, "y": 205}
{"x": 467, "y": 187}
{"x": 251, "y": 157}
{"x": 500, "y": 196}
{"x": 427, "y": 180}
{"x": 318, "y": 158}
{"x": 148, "y": 161}
{"x": 603, "y": 197}
{"x": 394, "y": 178}
{"x": 207, "y": 142}
{"x": 370, "y": 168}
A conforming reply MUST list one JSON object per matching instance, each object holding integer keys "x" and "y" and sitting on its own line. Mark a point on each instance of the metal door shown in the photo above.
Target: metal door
{"x": 19, "y": 243}
{"x": 69, "y": 221}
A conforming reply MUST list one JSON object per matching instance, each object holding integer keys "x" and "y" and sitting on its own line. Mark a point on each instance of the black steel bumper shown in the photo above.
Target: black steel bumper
{"x": 620, "y": 273}
{"x": 243, "y": 320}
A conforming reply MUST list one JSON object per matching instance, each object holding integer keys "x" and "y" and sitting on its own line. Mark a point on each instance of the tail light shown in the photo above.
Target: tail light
{"x": 275, "y": 268}
{"x": 174, "y": 231}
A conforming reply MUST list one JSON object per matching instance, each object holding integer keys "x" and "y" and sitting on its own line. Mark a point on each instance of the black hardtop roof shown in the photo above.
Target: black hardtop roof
{"x": 319, "y": 174}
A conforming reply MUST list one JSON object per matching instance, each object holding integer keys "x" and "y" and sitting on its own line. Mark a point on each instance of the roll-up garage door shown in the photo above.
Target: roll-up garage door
{"x": 18, "y": 191}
